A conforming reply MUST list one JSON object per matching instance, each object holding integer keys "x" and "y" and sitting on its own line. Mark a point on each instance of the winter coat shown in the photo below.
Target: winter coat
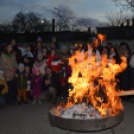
{"x": 18, "y": 54}
{"x": 3, "y": 88}
{"x": 7, "y": 65}
{"x": 31, "y": 60}
{"x": 54, "y": 62}
{"x": 63, "y": 78}
{"x": 55, "y": 82}
{"x": 69, "y": 71}
{"x": 41, "y": 66}
{"x": 46, "y": 57}
{"x": 132, "y": 62}
{"x": 21, "y": 81}
{"x": 124, "y": 77}
{"x": 36, "y": 87}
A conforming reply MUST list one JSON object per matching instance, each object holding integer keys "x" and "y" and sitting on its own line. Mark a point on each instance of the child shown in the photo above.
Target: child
{"x": 28, "y": 74}
{"x": 36, "y": 85}
{"x": 20, "y": 80}
{"x": 63, "y": 78}
{"x": 40, "y": 63}
{"x": 3, "y": 88}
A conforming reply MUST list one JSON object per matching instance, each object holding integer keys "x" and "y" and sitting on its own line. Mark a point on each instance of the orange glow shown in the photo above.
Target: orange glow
{"x": 97, "y": 84}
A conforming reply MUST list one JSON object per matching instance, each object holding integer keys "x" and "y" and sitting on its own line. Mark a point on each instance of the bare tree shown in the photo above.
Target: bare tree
{"x": 125, "y": 4}
{"x": 115, "y": 19}
{"x": 20, "y": 19}
{"x": 31, "y": 22}
{"x": 64, "y": 17}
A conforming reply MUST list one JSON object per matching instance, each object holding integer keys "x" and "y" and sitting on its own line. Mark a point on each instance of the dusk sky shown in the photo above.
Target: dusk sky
{"x": 95, "y": 9}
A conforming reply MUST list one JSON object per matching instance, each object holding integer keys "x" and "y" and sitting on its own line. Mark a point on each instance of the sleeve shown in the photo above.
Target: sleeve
{"x": 1, "y": 87}
{"x": 57, "y": 82}
{"x": 33, "y": 80}
{"x": 5, "y": 89}
{"x": 15, "y": 63}
{"x": 4, "y": 65}
{"x": 132, "y": 62}
{"x": 40, "y": 80}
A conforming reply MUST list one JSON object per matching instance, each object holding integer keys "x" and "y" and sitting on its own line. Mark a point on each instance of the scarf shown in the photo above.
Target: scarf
{"x": 38, "y": 63}
{"x": 21, "y": 73}
{"x": 10, "y": 55}
{"x": 111, "y": 56}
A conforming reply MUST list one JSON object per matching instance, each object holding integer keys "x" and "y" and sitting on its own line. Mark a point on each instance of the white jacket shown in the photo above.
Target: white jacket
{"x": 132, "y": 62}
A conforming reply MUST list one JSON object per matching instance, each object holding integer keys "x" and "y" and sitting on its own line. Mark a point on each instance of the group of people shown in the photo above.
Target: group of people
{"x": 43, "y": 72}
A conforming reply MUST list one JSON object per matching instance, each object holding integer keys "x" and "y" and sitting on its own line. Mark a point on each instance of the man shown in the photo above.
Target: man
{"x": 51, "y": 85}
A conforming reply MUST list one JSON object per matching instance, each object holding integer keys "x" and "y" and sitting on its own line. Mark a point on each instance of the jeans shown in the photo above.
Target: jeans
{"x": 1, "y": 100}
{"x": 51, "y": 92}
{"x": 9, "y": 95}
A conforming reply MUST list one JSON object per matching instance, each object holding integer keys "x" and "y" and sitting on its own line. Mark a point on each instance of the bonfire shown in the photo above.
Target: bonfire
{"x": 95, "y": 86}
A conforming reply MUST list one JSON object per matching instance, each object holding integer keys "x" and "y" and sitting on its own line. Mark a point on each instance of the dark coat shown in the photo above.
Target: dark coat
{"x": 55, "y": 82}
{"x": 30, "y": 63}
{"x": 21, "y": 84}
{"x": 36, "y": 87}
{"x": 63, "y": 79}
{"x": 124, "y": 77}
{"x": 17, "y": 54}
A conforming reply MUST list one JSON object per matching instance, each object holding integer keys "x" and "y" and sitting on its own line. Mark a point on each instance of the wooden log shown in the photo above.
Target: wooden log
{"x": 125, "y": 93}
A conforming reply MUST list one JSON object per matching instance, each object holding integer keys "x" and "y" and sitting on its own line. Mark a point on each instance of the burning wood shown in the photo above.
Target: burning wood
{"x": 94, "y": 80}
{"x": 81, "y": 111}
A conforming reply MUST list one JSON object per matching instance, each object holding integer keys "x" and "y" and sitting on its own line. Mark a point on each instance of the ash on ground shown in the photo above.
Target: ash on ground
{"x": 81, "y": 111}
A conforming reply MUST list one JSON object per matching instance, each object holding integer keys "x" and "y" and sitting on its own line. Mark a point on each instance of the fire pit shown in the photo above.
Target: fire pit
{"x": 84, "y": 125}
{"x": 93, "y": 103}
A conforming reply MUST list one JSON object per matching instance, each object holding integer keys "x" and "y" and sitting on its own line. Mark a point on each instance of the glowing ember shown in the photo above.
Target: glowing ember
{"x": 94, "y": 82}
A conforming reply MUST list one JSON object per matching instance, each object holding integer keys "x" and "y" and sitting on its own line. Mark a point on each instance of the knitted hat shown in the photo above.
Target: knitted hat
{"x": 64, "y": 47}
{"x": 1, "y": 72}
{"x": 21, "y": 65}
{"x": 40, "y": 55}
{"x": 54, "y": 39}
{"x": 39, "y": 39}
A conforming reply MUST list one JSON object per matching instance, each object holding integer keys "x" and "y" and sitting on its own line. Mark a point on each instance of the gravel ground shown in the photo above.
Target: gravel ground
{"x": 33, "y": 119}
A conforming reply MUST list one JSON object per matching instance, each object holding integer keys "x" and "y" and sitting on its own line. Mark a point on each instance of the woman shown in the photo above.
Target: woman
{"x": 125, "y": 82}
{"x": 9, "y": 66}
{"x": 114, "y": 56}
{"x": 54, "y": 61}
{"x": 40, "y": 64}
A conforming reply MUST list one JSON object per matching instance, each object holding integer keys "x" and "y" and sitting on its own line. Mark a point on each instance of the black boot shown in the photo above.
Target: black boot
{"x": 50, "y": 99}
{"x": 19, "y": 103}
{"x": 25, "y": 102}
{"x": 54, "y": 100}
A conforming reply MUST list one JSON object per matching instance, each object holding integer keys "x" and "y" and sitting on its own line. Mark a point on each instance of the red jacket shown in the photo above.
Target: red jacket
{"x": 54, "y": 62}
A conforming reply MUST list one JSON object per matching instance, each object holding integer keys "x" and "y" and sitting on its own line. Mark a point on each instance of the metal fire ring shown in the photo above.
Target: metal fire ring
{"x": 91, "y": 125}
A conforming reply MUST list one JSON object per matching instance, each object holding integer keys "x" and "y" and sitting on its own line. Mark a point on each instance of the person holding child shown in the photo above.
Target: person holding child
{"x": 9, "y": 66}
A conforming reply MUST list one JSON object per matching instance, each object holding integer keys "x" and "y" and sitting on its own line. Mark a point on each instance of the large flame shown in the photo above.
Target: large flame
{"x": 95, "y": 82}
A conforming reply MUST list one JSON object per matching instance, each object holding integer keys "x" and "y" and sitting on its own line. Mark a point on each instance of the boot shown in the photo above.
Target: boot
{"x": 54, "y": 101}
{"x": 25, "y": 102}
{"x": 19, "y": 103}
{"x": 50, "y": 99}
